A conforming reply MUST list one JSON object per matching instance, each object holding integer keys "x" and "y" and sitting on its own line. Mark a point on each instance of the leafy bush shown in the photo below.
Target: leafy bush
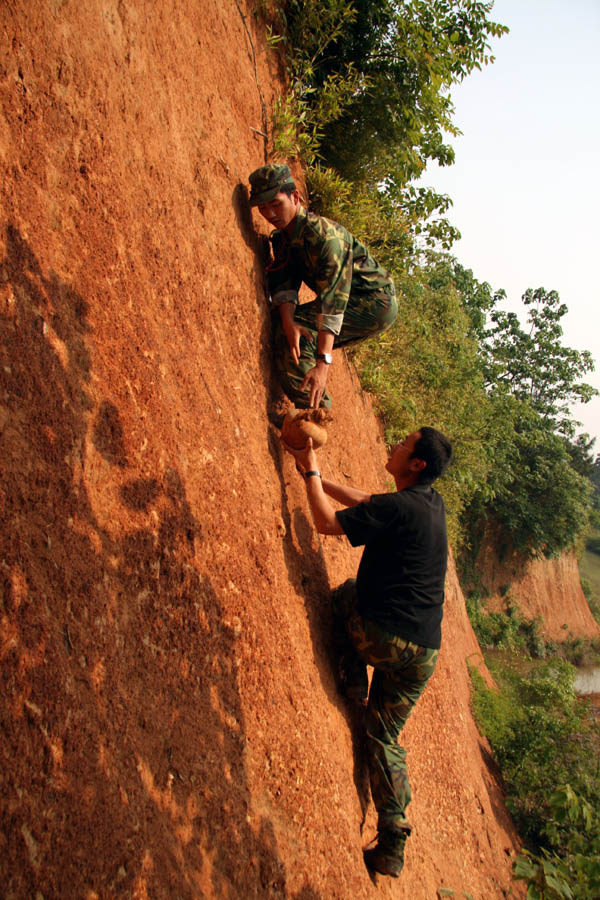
{"x": 314, "y": 99}
{"x": 581, "y": 651}
{"x": 407, "y": 54}
{"x": 506, "y": 630}
{"x": 368, "y": 92}
{"x": 367, "y": 105}
{"x": 574, "y": 872}
{"x": 547, "y": 745}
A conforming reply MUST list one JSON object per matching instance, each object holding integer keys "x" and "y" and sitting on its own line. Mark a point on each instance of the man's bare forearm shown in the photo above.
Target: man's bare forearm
{"x": 286, "y": 312}
{"x": 323, "y": 512}
{"x": 318, "y": 489}
{"x": 349, "y": 496}
{"x": 325, "y": 341}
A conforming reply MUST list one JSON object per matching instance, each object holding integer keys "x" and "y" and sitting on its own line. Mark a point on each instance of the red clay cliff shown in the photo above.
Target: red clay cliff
{"x": 170, "y": 726}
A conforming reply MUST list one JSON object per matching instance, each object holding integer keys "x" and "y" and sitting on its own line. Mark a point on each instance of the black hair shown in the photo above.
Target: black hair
{"x": 287, "y": 189}
{"x": 435, "y": 449}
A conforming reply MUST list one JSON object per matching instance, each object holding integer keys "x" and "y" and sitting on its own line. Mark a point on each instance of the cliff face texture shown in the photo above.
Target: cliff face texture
{"x": 545, "y": 589}
{"x": 169, "y": 721}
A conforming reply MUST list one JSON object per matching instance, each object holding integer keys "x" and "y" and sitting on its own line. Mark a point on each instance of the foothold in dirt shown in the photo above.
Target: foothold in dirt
{"x": 301, "y": 424}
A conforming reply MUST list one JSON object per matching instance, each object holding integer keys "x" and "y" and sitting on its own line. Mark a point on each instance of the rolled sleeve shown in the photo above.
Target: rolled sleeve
{"x": 330, "y": 323}
{"x": 288, "y": 296}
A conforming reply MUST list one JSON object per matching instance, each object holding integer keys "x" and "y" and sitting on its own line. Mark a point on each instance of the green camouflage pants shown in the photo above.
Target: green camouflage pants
{"x": 401, "y": 671}
{"x": 365, "y": 317}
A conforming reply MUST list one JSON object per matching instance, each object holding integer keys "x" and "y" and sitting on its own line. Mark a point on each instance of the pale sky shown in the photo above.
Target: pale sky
{"x": 526, "y": 181}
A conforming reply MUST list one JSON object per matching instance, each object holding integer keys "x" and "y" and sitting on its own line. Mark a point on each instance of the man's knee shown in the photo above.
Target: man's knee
{"x": 343, "y": 599}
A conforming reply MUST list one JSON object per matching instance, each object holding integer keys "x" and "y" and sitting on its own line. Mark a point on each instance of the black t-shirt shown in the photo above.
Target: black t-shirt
{"x": 400, "y": 581}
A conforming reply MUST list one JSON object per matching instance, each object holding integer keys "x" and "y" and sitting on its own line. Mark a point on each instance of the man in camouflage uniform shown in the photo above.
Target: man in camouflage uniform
{"x": 355, "y": 296}
{"x": 392, "y": 613}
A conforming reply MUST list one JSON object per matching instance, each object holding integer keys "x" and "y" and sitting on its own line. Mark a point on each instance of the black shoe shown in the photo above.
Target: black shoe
{"x": 387, "y": 857}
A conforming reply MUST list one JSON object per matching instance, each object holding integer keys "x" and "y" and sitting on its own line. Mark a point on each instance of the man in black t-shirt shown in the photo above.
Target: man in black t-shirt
{"x": 392, "y": 613}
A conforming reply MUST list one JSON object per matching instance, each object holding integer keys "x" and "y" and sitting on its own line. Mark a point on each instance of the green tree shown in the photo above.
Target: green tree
{"x": 546, "y": 504}
{"x": 370, "y": 93}
{"x": 410, "y": 53}
{"x": 370, "y": 98}
{"x": 533, "y": 365}
{"x": 538, "y": 489}
{"x": 477, "y": 297}
{"x": 425, "y": 369}
{"x": 594, "y": 542}
{"x": 582, "y": 458}
{"x": 595, "y": 474}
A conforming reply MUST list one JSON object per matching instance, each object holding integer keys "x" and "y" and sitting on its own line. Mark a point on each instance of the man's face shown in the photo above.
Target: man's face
{"x": 281, "y": 210}
{"x": 399, "y": 463}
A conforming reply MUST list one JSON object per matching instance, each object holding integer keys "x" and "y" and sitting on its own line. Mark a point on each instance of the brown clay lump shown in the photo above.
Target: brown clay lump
{"x": 301, "y": 424}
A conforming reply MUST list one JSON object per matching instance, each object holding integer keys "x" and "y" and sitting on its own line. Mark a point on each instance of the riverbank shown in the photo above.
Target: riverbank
{"x": 507, "y": 665}
{"x": 587, "y": 681}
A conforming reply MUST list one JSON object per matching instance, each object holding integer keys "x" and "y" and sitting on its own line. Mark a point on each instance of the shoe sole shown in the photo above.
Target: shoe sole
{"x": 383, "y": 865}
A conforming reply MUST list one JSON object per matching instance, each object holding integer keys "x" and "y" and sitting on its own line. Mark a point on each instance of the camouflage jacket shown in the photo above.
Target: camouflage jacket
{"x": 326, "y": 257}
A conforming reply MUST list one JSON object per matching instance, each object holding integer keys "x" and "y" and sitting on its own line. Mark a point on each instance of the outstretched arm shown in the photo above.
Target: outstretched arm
{"x": 326, "y": 521}
{"x": 323, "y": 512}
{"x": 349, "y": 496}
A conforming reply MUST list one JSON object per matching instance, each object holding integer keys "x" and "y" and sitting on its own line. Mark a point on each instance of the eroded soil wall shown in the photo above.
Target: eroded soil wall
{"x": 170, "y": 726}
{"x": 548, "y": 590}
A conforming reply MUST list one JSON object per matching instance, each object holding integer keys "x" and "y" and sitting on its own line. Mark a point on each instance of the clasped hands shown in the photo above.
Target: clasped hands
{"x": 306, "y": 458}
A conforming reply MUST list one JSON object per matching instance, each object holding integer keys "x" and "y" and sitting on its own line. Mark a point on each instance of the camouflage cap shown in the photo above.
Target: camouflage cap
{"x": 267, "y": 181}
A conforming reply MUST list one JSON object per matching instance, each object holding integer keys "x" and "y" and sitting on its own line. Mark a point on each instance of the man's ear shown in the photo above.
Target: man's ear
{"x": 417, "y": 465}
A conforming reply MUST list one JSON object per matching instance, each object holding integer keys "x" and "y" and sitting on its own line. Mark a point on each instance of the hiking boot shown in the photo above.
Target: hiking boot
{"x": 387, "y": 857}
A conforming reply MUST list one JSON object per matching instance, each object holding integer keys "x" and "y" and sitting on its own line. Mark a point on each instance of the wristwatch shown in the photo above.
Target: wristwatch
{"x": 326, "y": 357}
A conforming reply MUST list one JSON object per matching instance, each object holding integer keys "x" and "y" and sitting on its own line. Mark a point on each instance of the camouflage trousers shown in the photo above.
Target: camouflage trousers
{"x": 401, "y": 671}
{"x": 366, "y": 317}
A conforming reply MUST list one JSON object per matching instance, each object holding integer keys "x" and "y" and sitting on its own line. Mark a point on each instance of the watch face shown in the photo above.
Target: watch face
{"x": 326, "y": 357}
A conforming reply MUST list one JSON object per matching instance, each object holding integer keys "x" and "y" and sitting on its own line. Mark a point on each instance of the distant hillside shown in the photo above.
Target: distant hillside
{"x": 545, "y": 589}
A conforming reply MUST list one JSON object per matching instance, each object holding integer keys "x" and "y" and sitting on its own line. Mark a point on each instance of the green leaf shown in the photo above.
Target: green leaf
{"x": 524, "y": 868}
{"x": 534, "y": 893}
